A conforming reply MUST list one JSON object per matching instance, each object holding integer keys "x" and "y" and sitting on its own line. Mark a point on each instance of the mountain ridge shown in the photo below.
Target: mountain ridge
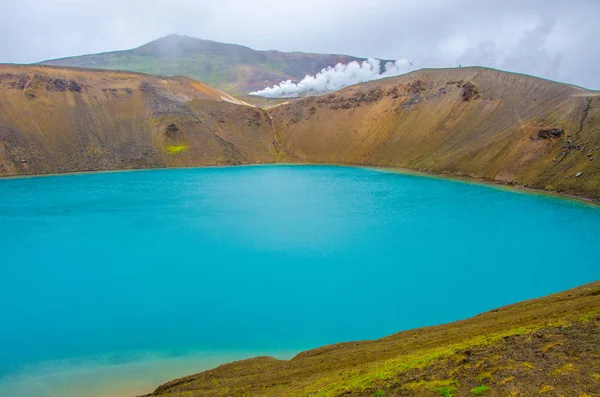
{"x": 231, "y": 67}
{"x": 478, "y": 123}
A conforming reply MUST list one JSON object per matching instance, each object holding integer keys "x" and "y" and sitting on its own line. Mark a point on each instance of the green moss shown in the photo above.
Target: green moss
{"x": 563, "y": 369}
{"x": 479, "y": 390}
{"x": 445, "y": 388}
{"x": 589, "y": 316}
{"x": 446, "y": 391}
{"x": 176, "y": 149}
{"x": 432, "y": 385}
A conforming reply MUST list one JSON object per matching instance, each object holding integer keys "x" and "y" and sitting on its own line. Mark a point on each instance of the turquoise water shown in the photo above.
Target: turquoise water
{"x": 148, "y": 267}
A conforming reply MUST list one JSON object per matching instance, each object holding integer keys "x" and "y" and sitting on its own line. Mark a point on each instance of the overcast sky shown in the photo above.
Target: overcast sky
{"x": 559, "y": 40}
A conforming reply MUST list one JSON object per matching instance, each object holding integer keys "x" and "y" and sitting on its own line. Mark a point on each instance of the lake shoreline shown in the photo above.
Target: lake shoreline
{"x": 104, "y": 375}
{"x": 400, "y": 170}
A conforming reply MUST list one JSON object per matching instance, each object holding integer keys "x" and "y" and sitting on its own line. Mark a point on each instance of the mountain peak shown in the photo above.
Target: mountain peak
{"x": 235, "y": 68}
{"x": 175, "y": 37}
{"x": 177, "y": 45}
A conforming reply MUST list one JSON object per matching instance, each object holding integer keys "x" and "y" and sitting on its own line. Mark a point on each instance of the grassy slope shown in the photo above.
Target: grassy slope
{"x": 232, "y": 68}
{"x": 548, "y": 346}
{"x": 422, "y": 121}
{"x": 119, "y": 120}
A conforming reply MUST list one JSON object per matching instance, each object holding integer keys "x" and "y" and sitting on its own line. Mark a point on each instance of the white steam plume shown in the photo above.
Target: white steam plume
{"x": 335, "y": 78}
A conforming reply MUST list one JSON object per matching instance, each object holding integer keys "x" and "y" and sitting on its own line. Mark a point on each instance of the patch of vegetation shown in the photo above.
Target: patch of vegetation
{"x": 528, "y": 365}
{"x": 550, "y": 346}
{"x": 589, "y": 316}
{"x": 479, "y": 390}
{"x": 379, "y": 393}
{"x": 176, "y": 149}
{"x": 431, "y": 385}
{"x": 564, "y": 369}
{"x": 444, "y": 388}
{"x": 446, "y": 391}
{"x": 507, "y": 379}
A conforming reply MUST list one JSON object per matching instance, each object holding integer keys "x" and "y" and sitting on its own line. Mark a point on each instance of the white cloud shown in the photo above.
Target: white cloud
{"x": 529, "y": 55}
{"x": 432, "y": 33}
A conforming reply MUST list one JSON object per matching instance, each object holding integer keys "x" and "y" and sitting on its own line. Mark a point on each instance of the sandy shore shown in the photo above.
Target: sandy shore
{"x": 108, "y": 376}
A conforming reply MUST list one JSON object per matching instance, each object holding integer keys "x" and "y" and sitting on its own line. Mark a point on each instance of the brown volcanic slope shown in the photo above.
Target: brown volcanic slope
{"x": 64, "y": 120}
{"x": 474, "y": 122}
{"x": 548, "y": 346}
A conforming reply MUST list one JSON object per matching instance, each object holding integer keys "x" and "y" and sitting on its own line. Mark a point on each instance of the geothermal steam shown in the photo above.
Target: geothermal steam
{"x": 335, "y": 78}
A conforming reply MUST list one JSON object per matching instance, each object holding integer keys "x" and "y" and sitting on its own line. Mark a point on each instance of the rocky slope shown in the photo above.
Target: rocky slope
{"x": 64, "y": 120}
{"x": 233, "y": 68}
{"x": 548, "y": 346}
{"x": 470, "y": 122}
{"x": 474, "y": 122}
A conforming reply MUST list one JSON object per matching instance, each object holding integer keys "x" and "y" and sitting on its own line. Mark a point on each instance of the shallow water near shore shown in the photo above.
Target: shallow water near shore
{"x": 114, "y": 283}
{"x": 116, "y": 375}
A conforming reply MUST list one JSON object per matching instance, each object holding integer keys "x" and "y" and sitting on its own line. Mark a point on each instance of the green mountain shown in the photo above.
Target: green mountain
{"x": 233, "y": 68}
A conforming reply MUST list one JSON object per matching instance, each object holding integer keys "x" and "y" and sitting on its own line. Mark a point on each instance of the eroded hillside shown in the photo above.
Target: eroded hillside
{"x": 63, "y": 120}
{"x": 475, "y": 122}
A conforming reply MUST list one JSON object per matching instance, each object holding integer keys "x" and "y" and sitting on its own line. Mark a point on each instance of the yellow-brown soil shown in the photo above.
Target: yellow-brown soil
{"x": 468, "y": 122}
{"x": 55, "y": 120}
{"x": 473, "y": 122}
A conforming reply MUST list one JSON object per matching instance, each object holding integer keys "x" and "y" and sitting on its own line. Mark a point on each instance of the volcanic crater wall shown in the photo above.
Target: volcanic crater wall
{"x": 474, "y": 122}
{"x": 67, "y": 120}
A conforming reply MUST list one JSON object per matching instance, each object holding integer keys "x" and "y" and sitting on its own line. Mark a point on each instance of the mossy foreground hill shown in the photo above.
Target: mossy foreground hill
{"x": 65, "y": 120}
{"x": 548, "y": 346}
{"x": 472, "y": 122}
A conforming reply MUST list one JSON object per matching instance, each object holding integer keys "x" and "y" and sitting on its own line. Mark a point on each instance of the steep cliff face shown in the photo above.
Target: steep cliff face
{"x": 474, "y": 122}
{"x": 65, "y": 120}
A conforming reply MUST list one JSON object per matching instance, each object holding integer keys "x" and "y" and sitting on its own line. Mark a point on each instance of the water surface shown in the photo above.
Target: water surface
{"x": 119, "y": 279}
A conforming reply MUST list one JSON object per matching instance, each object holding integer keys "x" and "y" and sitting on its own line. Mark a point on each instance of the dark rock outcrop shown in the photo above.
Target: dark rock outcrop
{"x": 469, "y": 92}
{"x": 550, "y": 133}
{"x": 172, "y": 131}
{"x": 74, "y": 87}
{"x": 58, "y": 85}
